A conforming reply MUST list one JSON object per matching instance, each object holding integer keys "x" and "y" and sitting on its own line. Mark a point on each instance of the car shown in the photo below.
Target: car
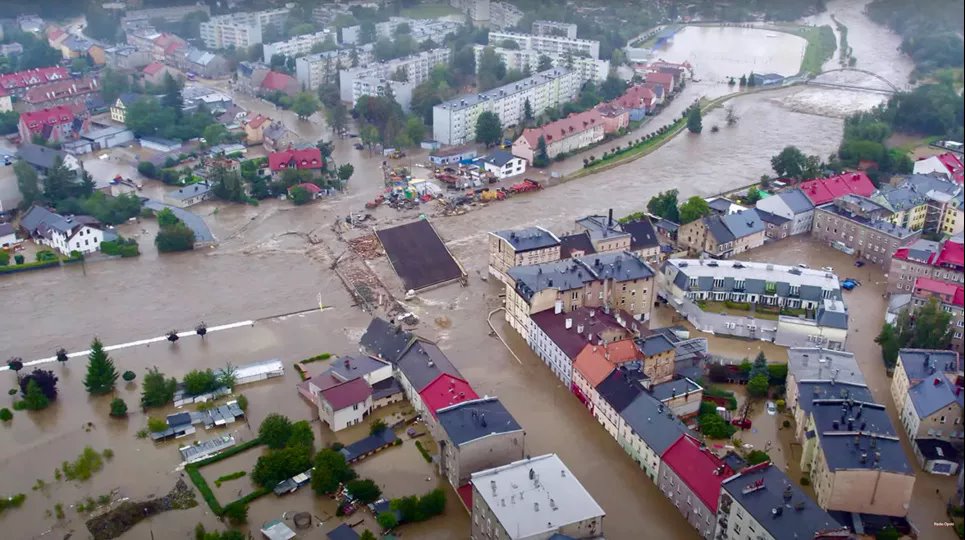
{"x": 827, "y": 268}
{"x": 800, "y": 265}
{"x": 859, "y": 264}
{"x": 359, "y": 146}
{"x": 742, "y": 423}
{"x": 771, "y": 408}
{"x": 849, "y": 284}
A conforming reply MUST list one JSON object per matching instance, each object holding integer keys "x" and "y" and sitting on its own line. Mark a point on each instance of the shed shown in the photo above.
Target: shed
{"x": 276, "y": 530}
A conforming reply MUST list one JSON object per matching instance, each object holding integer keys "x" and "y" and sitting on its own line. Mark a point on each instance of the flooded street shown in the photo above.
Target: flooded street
{"x": 267, "y": 271}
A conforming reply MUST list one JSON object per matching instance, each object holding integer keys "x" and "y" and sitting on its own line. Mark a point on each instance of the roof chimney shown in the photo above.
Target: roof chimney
{"x": 568, "y": 323}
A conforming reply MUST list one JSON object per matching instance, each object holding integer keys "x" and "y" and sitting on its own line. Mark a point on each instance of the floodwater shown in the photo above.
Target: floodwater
{"x": 272, "y": 264}
{"x": 717, "y": 53}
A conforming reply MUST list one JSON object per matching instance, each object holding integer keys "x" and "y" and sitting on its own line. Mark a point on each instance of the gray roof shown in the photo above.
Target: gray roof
{"x": 716, "y": 227}
{"x": 921, "y": 250}
{"x": 796, "y": 201}
{"x": 350, "y": 367}
{"x": 343, "y": 532}
{"x": 938, "y": 449}
{"x": 812, "y": 392}
{"x": 6, "y": 228}
{"x": 811, "y": 363}
{"x": 901, "y": 198}
{"x": 470, "y": 420}
{"x": 719, "y": 205}
{"x": 773, "y": 219}
{"x": 743, "y": 223}
{"x": 839, "y": 445}
{"x": 669, "y": 389}
{"x": 599, "y": 227}
{"x": 777, "y": 504}
{"x": 197, "y": 56}
{"x": 202, "y": 234}
{"x": 592, "y": 321}
{"x": 574, "y": 273}
{"x": 642, "y": 234}
{"x": 667, "y": 225}
{"x": 934, "y": 394}
{"x": 833, "y": 314}
{"x": 39, "y": 219}
{"x": 621, "y": 387}
{"x": 654, "y": 344}
{"x": 499, "y": 158}
{"x": 187, "y": 192}
{"x": 655, "y": 423}
{"x": 756, "y": 276}
{"x": 879, "y": 225}
{"x": 923, "y": 363}
{"x": 576, "y": 242}
{"x": 385, "y": 340}
{"x": 40, "y": 156}
{"x": 365, "y": 445}
{"x": 930, "y": 183}
{"x": 529, "y": 238}
{"x": 423, "y": 362}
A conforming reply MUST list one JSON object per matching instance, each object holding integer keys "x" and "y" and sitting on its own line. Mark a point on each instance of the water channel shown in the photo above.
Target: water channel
{"x": 266, "y": 267}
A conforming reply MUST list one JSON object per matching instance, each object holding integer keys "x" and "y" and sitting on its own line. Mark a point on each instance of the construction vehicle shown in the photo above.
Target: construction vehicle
{"x": 525, "y": 185}
{"x": 376, "y": 202}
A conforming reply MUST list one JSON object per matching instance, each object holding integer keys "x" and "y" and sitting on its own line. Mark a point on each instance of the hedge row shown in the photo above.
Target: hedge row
{"x": 194, "y": 473}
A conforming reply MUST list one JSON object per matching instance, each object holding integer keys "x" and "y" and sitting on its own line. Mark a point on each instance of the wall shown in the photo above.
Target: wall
{"x": 485, "y": 453}
{"x": 692, "y": 508}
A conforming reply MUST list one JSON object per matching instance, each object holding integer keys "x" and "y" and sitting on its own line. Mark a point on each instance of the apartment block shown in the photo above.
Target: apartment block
{"x": 588, "y": 68}
{"x": 171, "y": 14}
{"x": 477, "y": 435}
{"x": 366, "y": 79}
{"x": 553, "y": 28}
{"x": 570, "y": 134}
{"x": 297, "y": 45}
{"x": 504, "y": 15}
{"x": 454, "y": 122}
{"x": 314, "y": 70}
{"x": 691, "y": 476}
{"x": 242, "y": 29}
{"x": 943, "y": 261}
{"x": 950, "y": 298}
{"x": 858, "y": 225}
{"x": 532, "y": 245}
{"x": 550, "y": 45}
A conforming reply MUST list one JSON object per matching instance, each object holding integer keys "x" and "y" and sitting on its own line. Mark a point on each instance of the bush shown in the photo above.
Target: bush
{"x": 45, "y": 255}
{"x": 147, "y": 169}
{"x": 129, "y": 376}
{"x": 174, "y": 238}
{"x": 124, "y": 247}
{"x": 18, "y": 258}
{"x": 86, "y": 464}
{"x": 156, "y": 425}
{"x": 425, "y": 453}
{"x": 228, "y": 477}
{"x": 118, "y": 408}
{"x": 715, "y": 427}
{"x": 197, "y": 382}
{"x": 378, "y": 426}
{"x": 5, "y": 415}
{"x": 786, "y": 424}
{"x": 387, "y": 520}
{"x": 236, "y": 512}
{"x": 365, "y": 490}
{"x": 317, "y": 357}
{"x": 757, "y": 456}
{"x": 275, "y": 430}
{"x": 12, "y": 502}
{"x": 708, "y": 407}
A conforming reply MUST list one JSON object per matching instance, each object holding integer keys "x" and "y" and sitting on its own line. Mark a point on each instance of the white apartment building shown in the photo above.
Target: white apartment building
{"x": 418, "y": 68}
{"x": 454, "y": 122}
{"x": 377, "y": 86}
{"x": 298, "y": 45}
{"x": 504, "y": 15}
{"x": 314, "y": 70}
{"x": 589, "y": 69}
{"x": 242, "y": 29}
{"x": 548, "y": 45}
{"x": 421, "y": 30}
{"x": 477, "y": 10}
{"x": 553, "y": 28}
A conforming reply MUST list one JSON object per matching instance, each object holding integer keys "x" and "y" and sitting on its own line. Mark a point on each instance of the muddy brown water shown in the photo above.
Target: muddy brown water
{"x": 265, "y": 268}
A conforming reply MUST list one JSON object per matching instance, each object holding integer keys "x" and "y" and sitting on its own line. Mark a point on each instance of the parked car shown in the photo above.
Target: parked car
{"x": 771, "y": 408}
{"x": 859, "y": 263}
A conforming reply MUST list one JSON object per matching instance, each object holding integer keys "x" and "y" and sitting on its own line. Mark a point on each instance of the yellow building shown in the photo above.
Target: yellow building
{"x": 908, "y": 207}
{"x": 532, "y": 245}
{"x": 953, "y": 216}
{"x": 119, "y": 107}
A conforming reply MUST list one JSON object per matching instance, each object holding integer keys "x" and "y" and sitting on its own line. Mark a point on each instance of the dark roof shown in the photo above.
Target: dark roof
{"x": 529, "y": 238}
{"x": 471, "y": 420}
{"x": 934, "y": 394}
{"x": 386, "y": 388}
{"x": 667, "y": 225}
{"x": 619, "y": 389}
{"x": 669, "y": 389}
{"x": 499, "y": 158}
{"x": 654, "y": 344}
{"x": 343, "y": 532}
{"x": 40, "y": 156}
{"x": 6, "y": 228}
{"x": 718, "y": 230}
{"x": 418, "y": 255}
{"x": 743, "y": 223}
{"x": 777, "y": 504}
{"x": 576, "y": 242}
{"x": 938, "y": 449}
{"x": 719, "y": 205}
{"x": 773, "y": 219}
{"x": 423, "y": 362}
{"x": 642, "y": 234}
{"x": 655, "y": 423}
{"x": 349, "y": 367}
{"x": 812, "y": 391}
{"x": 346, "y": 394}
{"x": 838, "y": 444}
{"x": 569, "y": 340}
{"x": 40, "y": 219}
{"x": 796, "y": 201}
{"x": 368, "y": 444}
{"x": 385, "y": 340}
{"x": 922, "y": 363}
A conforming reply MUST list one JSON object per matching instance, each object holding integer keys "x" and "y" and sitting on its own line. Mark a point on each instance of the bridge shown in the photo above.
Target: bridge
{"x": 892, "y": 89}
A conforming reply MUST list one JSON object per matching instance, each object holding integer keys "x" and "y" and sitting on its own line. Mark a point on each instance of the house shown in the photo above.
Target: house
{"x": 66, "y": 234}
{"x": 8, "y": 236}
{"x": 575, "y": 132}
{"x": 761, "y": 500}
{"x": 643, "y": 239}
{"x": 558, "y": 337}
{"x": 665, "y": 80}
{"x": 933, "y": 410}
{"x": 775, "y": 227}
{"x": 723, "y": 236}
{"x": 43, "y": 158}
{"x": 313, "y": 190}
{"x": 385, "y": 340}
{"x": 909, "y": 208}
{"x": 691, "y": 477}
{"x": 948, "y": 165}
{"x": 597, "y": 362}
{"x": 445, "y": 391}
{"x": 55, "y": 36}
{"x": 452, "y": 154}
{"x": 638, "y": 101}
{"x": 345, "y": 404}
{"x": 576, "y": 245}
{"x": 938, "y": 457}
{"x": 605, "y": 233}
{"x": 255, "y": 129}
{"x": 792, "y": 205}
{"x": 120, "y": 106}
{"x": 503, "y": 164}
{"x": 55, "y": 124}
{"x": 475, "y": 435}
{"x": 277, "y": 137}
{"x": 941, "y": 261}
{"x": 16, "y": 84}
{"x": 917, "y": 365}
{"x": 11, "y": 49}
{"x": 532, "y": 245}
{"x": 824, "y": 190}
{"x": 950, "y": 298}
{"x": 301, "y": 159}
{"x": 533, "y": 498}
{"x": 60, "y": 92}
{"x": 278, "y": 82}
{"x": 206, "y": 64}
{"x": 155, "y": 73}
{"x": 277, "y": 530}
{"x": 343, "y": 532}
{"x": 615, "y": 117}
{"x": 646, "y": 428}
{"x": 160, "y": 145}
{"x": 418, "y": 366}
{"x": 806, "y": 365}
{"x": 189, "y": 195}
{"x": 6, "y": 102}
{"x": 126, "y": 57}
{"x": 859, "y": 226}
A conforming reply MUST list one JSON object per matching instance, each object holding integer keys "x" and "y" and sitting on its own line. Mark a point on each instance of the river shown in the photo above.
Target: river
{"x": 265, "y": 267}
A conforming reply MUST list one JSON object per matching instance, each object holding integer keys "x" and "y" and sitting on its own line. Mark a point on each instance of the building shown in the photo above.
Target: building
{"x": 916, "y": 366}
{"x": 594, "y": 364}
{"x": 723, "y": 236}
{"x": 762, "y": 502}
{"x": 255, "y": 129}
{"x": 297, "y": 45}
{"x": 638, "y": 100}
{"x": 859, "y": 226}
{"x": 950, "y": 298}
{"x": 126, "y": 57}
{"x": 691, "y": 476}
{"x": 824, "y": 190}
{"x": 532, "y": 245}
{"x": 643, "y": 239}
{"x": 475, "y": 435}
{"x": 588, "y": 68}
{"x": 420, "y": 365}
{"x": 275, "y": 81}
{"x": 549, "y": 44}
{"x": 16, "y": 84}
{"x": 476, "y": 10}
{"x": 377, "y": 86}
{"x": 66, "y": 234}
{"x": 345, "y": 404}
{"x": 416, "y": 67}
{"x": 558, "y": 338}
{"x": 55, "y": 124}
{"x": 566, "y": 135}
{"x": 301, "y": 159}
{"x": 933, "y": 410}
{"x": 120, "y": 106}
{"x": 667, "y": 81}
{"x": 646, "y": 429}
{"x": 908, "y": 207}
{"x": 156, "y": 72}
{"x": 533, "y": 498}
{"x": 553, "y": 28}
{"x": 314, "y": 70}
{"x": 42, "y": 158}
{"x": 503, "y": 15}
{"x": 241, "y": 29}
{"x": 454, "y": 121}
{"x": 615, "y": 117}
{"x": 60, "y": 93}
{"x": 807, "y": 366}
{"x": 793, "y": 206}
{"x": 203, "y": 63}
{"x": 189, "y": 195}
{"x": 745, "y": 298}
{"x": 604, "y": 233}
{"x": 948, "y": 165}
{"x": 503, "y": 164}
{"x": 941, "y": 261}
{"x": 8, "y": 236}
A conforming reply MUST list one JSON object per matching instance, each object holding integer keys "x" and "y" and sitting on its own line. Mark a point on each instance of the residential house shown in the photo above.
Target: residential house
{"x": 915, "y": 366}
{"x": 595, "y": 363}
{"x": 17, "y": 83}
{"x": 206, "y": 64}
{"x": 189, "y": 195}
{"x": 155, "y": 73}
{"x": 638, "y": 101}
{"x": 302, "y": 159}
{"x": 313, "y": 190}
{"x": 605, "y": 233}
{"x": 576, "y": 245}
{"x": 66, "y": 234}
{"x": 6, "y": 102}
{"x": 255, "y": 129}
{"x": 77, "y": 47}
{"x": 350, "y": 389}
{"x": 558, "y": 337}
{"x": 615, "y": 117}
{"x": 616, "y": 392}
{"x": 950, "y": 298}
{"x": 933, "y": 410}
{"x": 723, "y": 235}
{"x": 859, "y": 226}
{"x": 570, "y": 134}
{"x": 167, "y": 47}
{"x": 762, "y": 502}
{"x": 792, "y": 205}
{"x": 942, "y": 261}
{"x": 277, "y": 137}
{"x": 278, "y": 82}
{"x": 126, "y": 57}
{"x": 418, "y": 366}
{"x": 385, "y": 340}
{"x": 11, "y": 49}
{"x": 691, "y": 476}
{"x": 158, "y": 144}
{"x": 60, "y": 93}
{"x": 8, "y": 237}
{"x": 444, "y": 391}
{"x": 938, "y": 456}
{"x": 908, "y": 207}
{"x": 665, "y": 80}
{"x": 816, "y": 365}
{"x": 948, "y": 165}
{"x": 345, "y": 404}
{"x": 475, "y": 435}
{"x": 503, "y": 164}
{"x": 775, "y": 227}
{"x": 532, "y": 245}
{"x": 452, "y": 154}
{"x": 120, "y": 106}
{"x": 531, "y": 499}
{"x": 55, "y": 124}
{"x": 643, "y": 239}
{"x": 682, "y": 395}
{"x": 646, "y": 429}
{"x": 825, "y": 190}
{"x": 43, "y": 158}
{"x": 55, "y": 36}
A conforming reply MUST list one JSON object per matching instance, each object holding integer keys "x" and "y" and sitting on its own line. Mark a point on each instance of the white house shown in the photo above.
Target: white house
{"x": 63, "y": 233}
{"x": 503, "y": 164}
{"x": 189, "y": 195}
{"x": 792, "y": 205}
{"x": 345, "y": 404}
{"x": 8, "y": 235}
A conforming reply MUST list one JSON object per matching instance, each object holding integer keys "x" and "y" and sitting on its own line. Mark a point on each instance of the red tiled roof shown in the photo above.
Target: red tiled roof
{"x": 347, "y": 393}
{"x": 444, "y": 391}
{"x": 824, "y": 190}
{"x": 257, "y": 121}
{"x": 635, "y": 96}
{"x": 60, "y": 90}
{"x": 701, "y": 470}
{"x": 33, "y": 77}
{"x": 54, "y": 32}
{"x": 666, "y": 79}
{"x": 942, "y": 288}
{"x": 277, "y": 81}
{"x": 465, "y": 495}
{"x": 954, "y": 166}
{"x": 959, "y": 298}
{"x": 152, "y": 68}
{"x": 302, "y": 159}
{"x": 596, "y": 362}
{"x": 53, "y": 116}
{"x": 951, "y": 254}
{"x": 307, "y": 186}
{"x": 565, "y": 127}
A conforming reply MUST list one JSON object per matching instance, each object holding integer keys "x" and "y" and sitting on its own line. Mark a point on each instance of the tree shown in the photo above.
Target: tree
{"x": 387, "y": 520}
{"x": 59, "y": 181}
{"x": 242, "y": 402}
{"x": 490, "y": 70}
{"x": 278, "y": 465}
{"x": 330, "y": 470}
{"x": 759, "y": 367}
{"x": 148, "y": 169}
{"x": 118, "y": 408}
{"x": 930, "y": 329}
{"x": 489, "y": 130}
{"x": 5, "y": 415}
{"x": 173, "y": 235}
{"x": 613, "y": 87}
{"x": 214, "y": 134}
{"x": 172, "y": 98}
{"x": 432, "y": 503}
{"x": 15, "y": 365}
{"x": 156, "y": 425}
{"x": 275, "y": 430}
{"x": 757, "y": 386}
{"x": 128, "y": 376}
{"x": 197, "y": 382}
{"x": 236, "y": 512}
{"x": 33, "y": 397}
{"x": 156, "y": 390}
{"x": 365, "y": 490}
{"x": 756, "y": 456}
{"x": 101, "y": 373}
{"x": 345, "y": 172}
{"x": 45, "y": 380}
{"x": 693, "y": 209}
{"x": 527, "y": 110}
{"x": 367, "y": 535}
{"x": 378, "y": 426}
{"x": 664, "y": 204}
{"x": 415, "y": 130}
{"x": 694, "y": 120}
{"x": 715, "y": 427}
{"x": 545, "y": 62}
{"x": 337, "y": 117}
{"x": 113, "y": 84}
{"x": 792, "y": 163}
{"x": 541, "y": 158}
{"x": 304, "y": 104}
{"x": 299, "y": 195}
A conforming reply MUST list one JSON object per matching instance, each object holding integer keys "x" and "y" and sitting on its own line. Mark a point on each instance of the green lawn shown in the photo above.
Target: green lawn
{"x": 820, "y": 48}
{"x": 429, "y": 11}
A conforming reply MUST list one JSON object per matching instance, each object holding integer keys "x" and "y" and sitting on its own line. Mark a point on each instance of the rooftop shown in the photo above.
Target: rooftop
{"x": 596, "y": 362}
{"x": 529, "y": 239}
{"x": 368, "y": 444}
{"x": 796, "y": 200}
{"x": 653, "y": 422}
{"x": 812, "y": 363}
{"x": 187, "y": 192}
{"x": 813, "y": 391}
{"x": 423, "y": 362}
{"x": 573, "y": 124}
{"x": 445, "y": 391}
{"x": 923, "y": 363}
{"x": 642, "y": 234}
{"x": 754, "y": 277}
{"x": 941, "y": 288}
{"x": 585, "y": 324}
{"x": 302, "y": 158}
{"x": 620, "y": 388}
{"x": 601, "y": 227}
{"x": 543, "y": 77}
{"x": 535, "y": 496}
{"x": 879, "y": 225}
{"x": 934, "y": 394}
{"x": 699, "y": 468}
{"x": 574, "y": 273}
{"x": 576, "y": 242}
{"x": 499, "y": 158}
{"x": 347, "y": 394}
{"x": 825, "y": 190}
{"x": 471, "y": 420}
{"x": 349, "y": 367}
{"x": 385, "y": 340}
{"x": 858, "y": 435}
{"x": 670, "y": 389}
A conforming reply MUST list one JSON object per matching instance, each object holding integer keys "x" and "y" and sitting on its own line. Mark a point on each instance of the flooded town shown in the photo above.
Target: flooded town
{"x": 479, "y": 269}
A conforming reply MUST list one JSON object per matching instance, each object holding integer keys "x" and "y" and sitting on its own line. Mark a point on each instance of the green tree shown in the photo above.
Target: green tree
{"x": 694, "y": 120}
{"x": 278, "y": 465}
{"x": 365, "y": 490}
{"x": 759, "y": 367}
{"x": 236, "y": 512}
{"x": 330, "y": 470}
{"x": 714, "y": 427}
{"x": 664, "y": 204}
{"x": 275, "y": 430}
{"x": 27, "y": 181}
{"x": 345, "y": 172}
{"x": 489, "y": 130}
{"x": 299, "y": 195}
{"x": 156, "y": 390}
{"x": 118, "y": 408}
{"x": 156, "y": 425}
{"x": 34, "y": 398}
{"x": 304, "y": 104}
{"x": 44, "y": 379}
{"x": 337, "y": 117}
{"x": 302, "y": 436}
{"x": 5, "y": 415}
{"x": 378, "y": 426}
{"x": 172, "y": 98}
{"x": 545, "y": 62}
{"x": 758, "y": 385}
{"x": 112, "y": 84}
{"x": 490, "y": 69}
{"x": 432, "y": 503}
{"x": 930, "y": 329}
{"x": 415, "y": 130}
{"x": 59, "y": 181}
{"x": 101, "y": 373}
{"x": 387, "y": 520}
{"x": 541, "y": 158}
{"x": 613, "y": 87}
{"x": 527, "y": 110}
{"x": 173, "y": 235}
{"x": 214, "y": 134}
{"x": 693, "y": 209}
{"x": 197, "y": 382}
{"x": 756, "y": 456}
{"x": 367, "y": 535}
{"x": 792, "y": 163}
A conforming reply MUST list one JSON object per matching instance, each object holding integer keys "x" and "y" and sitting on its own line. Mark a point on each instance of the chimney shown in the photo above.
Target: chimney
{"x": 569, "y": 323}
{"x": 610, "y": 218}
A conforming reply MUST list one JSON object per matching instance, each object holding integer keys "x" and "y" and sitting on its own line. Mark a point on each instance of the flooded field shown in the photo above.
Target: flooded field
{"x": 717, "y": 53}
